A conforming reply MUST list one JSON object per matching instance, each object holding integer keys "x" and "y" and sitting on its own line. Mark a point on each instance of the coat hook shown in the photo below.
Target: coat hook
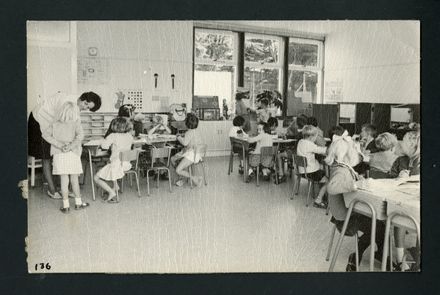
{"x": 156, "y": 75}
{"x": 172, "y": 80}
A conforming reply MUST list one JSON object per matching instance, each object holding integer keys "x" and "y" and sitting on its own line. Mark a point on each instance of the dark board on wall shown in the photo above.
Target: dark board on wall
{"x": 326, "y": 115}
{"x": 363, "y": 115}
{"x": 381, "y": 116}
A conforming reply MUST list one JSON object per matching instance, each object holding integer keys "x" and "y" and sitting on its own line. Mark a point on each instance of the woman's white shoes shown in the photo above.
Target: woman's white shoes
{"x": 55, "y": 196}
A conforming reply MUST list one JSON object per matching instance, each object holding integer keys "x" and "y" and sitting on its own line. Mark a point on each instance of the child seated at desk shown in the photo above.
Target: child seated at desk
{"x": 341, "y": 155}
{"x": 295, "y": 128}
{"x": 382, "y": 161}
{"x": 159, "y": 127}
{"x": 235, "y": 131}
{"x": 307, "y": 148}
{"x": 188, "y": 155}
{"x": 320, "y": 141}
{"x": 405, "y": 166}
{"x": 367, "y": 139}
{"x": 263, "y": 139}
{"x": 119, "y": 140}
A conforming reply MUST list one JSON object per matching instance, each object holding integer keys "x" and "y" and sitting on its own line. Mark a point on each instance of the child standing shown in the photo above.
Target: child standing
{"x": 188, "y": 155}
{"x": 263, "y": 113}
{"x": 119, "y": 140}
{"x": 307, "y": 148}
{"x": 263, "y": 139}
{"x": 65, "y": 136}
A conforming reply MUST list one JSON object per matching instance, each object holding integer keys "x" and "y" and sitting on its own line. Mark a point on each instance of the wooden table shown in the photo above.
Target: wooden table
{"x": 245, "y": 143}
{"x": 93, "y": 150}
{"x": 388, "y": 196}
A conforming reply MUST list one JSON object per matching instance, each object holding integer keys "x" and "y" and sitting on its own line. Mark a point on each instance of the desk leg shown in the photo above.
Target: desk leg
{"x": 386, "y": 245}
{"x": 92, "y": 182}
{"x": 372, "y": 243}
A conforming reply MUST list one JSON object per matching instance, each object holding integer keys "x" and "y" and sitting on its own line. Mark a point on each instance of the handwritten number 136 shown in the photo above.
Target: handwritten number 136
{"x": 42, "y": 266}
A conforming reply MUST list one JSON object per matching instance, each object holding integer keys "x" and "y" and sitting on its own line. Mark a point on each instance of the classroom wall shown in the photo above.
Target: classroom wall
{"x": 129, "y": 53}
{"x": 51, "y": 60}
{"x": 373, "y": 62}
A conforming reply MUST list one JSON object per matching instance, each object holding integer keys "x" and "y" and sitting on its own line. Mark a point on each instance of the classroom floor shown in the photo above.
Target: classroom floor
{"x": 226, "y": 226}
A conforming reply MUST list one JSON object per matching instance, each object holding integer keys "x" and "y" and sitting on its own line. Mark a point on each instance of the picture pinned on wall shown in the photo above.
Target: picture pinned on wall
{"x": 92, "y": 70}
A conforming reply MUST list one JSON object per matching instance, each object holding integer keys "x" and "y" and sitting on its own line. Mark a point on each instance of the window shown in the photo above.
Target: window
{"x": 215, "y": 68}
{"x": 263, "y": 64}
{"x": 305, "y": 75}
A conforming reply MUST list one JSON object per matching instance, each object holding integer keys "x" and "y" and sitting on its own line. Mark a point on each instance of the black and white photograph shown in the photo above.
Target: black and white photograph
{"x": 223, "y": 146}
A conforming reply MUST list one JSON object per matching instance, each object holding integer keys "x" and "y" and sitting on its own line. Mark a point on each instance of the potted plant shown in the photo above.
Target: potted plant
{"x": 275, "y": 100}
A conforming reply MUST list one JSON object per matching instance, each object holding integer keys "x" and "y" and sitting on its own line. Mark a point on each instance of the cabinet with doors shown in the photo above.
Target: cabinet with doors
{"x": 216, "y": 135}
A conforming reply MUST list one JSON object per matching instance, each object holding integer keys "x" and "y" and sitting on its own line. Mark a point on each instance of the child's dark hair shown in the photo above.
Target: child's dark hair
{"x": 121, "y": 125}
{"x": 264, "y": 101}
{"x": 191, "y": 121}
{"x": 238, "y": 121}
{"x": 266, "y": 128}
{"x": 312, "y": 121}
{"x": 301, "y": 122}
{"x": 370, "y": 129}
{"x": 273, "y": 122}
{"x": 338, "y": 130}
{"x": 126, "y": 111}
{"x": 91, "y": 97}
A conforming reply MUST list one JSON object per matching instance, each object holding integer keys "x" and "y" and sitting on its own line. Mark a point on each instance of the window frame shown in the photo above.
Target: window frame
{"x": 319, "y": 69}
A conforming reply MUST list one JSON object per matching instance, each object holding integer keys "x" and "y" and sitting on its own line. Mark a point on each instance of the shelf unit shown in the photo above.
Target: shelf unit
{"x": 95, "y": 125}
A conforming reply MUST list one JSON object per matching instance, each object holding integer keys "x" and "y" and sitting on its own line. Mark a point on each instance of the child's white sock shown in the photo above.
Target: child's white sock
{"x": 66, "y": 203}
{"x": 78, "y": 201}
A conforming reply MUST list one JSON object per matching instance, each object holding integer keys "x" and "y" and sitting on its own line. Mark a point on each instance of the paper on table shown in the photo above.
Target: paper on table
{"x": 94, "y": 142}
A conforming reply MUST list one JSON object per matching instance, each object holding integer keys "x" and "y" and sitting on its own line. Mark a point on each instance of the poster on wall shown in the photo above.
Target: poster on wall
{"x": 333, "y": 91}
{"x": 92, "y": 70}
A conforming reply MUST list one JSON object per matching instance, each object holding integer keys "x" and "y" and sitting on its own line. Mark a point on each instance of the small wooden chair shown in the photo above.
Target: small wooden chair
{"x": 353, "y": 203}
{"x": 159, "y": 153}
{"x": 267, "y": 160}
{"x": 236, "y": 148}
{"x": 131, "y": 156}
{"x": 33, "y": 164}
{"x": 198, "y": 150}
{"x": 300, "y": 161}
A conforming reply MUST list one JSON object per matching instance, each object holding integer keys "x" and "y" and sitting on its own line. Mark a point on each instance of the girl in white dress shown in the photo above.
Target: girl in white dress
{"x": 120, "y": 140}
{"x": 188, "y": 155}
{"x": 65, "y": 136}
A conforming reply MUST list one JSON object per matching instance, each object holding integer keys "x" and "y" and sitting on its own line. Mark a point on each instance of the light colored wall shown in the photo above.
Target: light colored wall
{"x": 130, "y": 52}
{"x": 51, "y": 60}
{"x": 377, "y": 62}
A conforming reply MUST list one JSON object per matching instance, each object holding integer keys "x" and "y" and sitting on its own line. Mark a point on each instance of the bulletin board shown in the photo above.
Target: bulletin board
{"x": 93, "y": 70}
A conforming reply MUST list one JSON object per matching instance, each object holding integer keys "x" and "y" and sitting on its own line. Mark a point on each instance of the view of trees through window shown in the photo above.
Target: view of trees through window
{"x": 213, "y": 46}
{"x": 261, "y": 50}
